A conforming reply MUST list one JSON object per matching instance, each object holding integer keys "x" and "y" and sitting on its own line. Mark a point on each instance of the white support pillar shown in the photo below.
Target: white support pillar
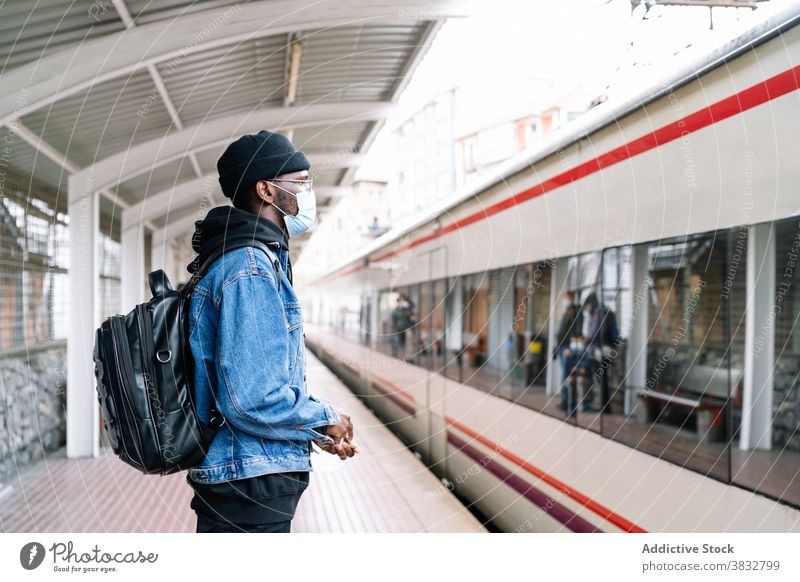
{"x": 559, "y": 284}
{"x": 637, "y": 335}
{"x": 756, "y": 431}
{"x": 158, "y": 253}
{"x": 132, "y": 284}
{"x": 83, "y": 416}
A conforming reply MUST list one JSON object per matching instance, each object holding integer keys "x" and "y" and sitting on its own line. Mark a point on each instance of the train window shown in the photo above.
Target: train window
{"x": 694, "y": 352}
{"x": 454, "y": 329}
{"x": 415, "y": 300}
{"x": 389, "y": 340}
{"x": 531, "y": 311}
{"x": 769, "y": 459}
{"x": 476, "y": 326}
{"x": 437, "y": 341}
{"x": 423, "y": 339}
{"x": 671, "y": 374}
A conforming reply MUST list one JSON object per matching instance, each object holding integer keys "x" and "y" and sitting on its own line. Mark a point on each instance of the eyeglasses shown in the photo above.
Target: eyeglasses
{"x": 306, "y": 184}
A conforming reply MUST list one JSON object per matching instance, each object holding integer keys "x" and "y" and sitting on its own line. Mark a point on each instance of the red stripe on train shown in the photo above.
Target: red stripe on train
{"x": 769, "y": 89}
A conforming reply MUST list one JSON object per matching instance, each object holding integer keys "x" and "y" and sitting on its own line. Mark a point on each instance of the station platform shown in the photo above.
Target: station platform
{"x": 383, "y": 489}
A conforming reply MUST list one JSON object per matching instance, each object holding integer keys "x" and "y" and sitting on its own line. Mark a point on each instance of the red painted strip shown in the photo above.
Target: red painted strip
{"x": 397, "y": 401}
{"x": 589, "y": 503}
{"x": 546, "y": 503}
{"x": 396, "y": 388}
{"x": 769, "y": 89}
{"x": 584, "y": 500}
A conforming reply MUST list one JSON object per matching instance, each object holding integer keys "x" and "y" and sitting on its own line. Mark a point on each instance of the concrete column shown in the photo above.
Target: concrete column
{"x": 637, "y": 336}
{"x": 559, "y": 283}
{"x": 756, "y": 431}
{"x": 83, "y": 415}
{"x": 133, "y": 277}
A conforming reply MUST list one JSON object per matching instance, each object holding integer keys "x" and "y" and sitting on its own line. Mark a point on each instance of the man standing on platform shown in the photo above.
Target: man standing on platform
{"x": 246, "y": 336}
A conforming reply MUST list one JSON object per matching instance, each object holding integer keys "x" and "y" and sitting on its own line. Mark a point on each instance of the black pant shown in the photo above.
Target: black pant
{"x": 206, "y": 524}
{"x": 262, "y": 504}
{"x": 601, "y": 371}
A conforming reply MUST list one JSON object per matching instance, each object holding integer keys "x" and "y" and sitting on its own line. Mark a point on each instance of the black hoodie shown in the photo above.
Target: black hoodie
{"x": 226, "y": 224}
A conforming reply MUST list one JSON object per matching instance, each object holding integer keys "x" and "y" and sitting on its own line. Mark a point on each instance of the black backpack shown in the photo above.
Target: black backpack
{"x": 145, "y": 377}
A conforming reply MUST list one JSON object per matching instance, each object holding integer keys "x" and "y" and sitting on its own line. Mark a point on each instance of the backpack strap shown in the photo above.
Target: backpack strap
{"x": 229, "y": 246}
{"x": 216, "y": 419}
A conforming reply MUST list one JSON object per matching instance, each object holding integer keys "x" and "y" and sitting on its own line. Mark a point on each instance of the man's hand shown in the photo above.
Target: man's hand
{"x": 342, "y": 435}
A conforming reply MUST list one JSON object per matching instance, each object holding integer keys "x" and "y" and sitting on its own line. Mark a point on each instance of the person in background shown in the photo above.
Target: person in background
{"x": 401, "y": 322}
{"x": 399, "y": 317}
{"x": 578, "y": 370}
{"x": 601, "y": 333}
{"x": 569, "y": 327}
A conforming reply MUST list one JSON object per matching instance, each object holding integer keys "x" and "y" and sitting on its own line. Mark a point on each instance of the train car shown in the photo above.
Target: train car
{"x": 678, "y": 208}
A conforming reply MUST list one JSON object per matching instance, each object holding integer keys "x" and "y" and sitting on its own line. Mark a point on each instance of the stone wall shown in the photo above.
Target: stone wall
{"x": 32, "y": 406}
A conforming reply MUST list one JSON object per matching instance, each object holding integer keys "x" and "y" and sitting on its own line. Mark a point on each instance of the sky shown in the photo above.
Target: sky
{"x": 599, "y": 43}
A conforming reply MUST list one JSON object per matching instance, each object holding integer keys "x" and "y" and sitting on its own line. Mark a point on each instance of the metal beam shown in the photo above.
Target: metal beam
{"x": 178, "y": 227}
{"x": 293, "y": 52}
{"x": 156, "y": 206}
{"x": 53, "y": 154}
{"x": 124, "y": 13}
{"x": 175, "y": 199}
{"x": 704, "y": 3}
{"x": 74, "y": 69}
{"x": 145, "y": 156}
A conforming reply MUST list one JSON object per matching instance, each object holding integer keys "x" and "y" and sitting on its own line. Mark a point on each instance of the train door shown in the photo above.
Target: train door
{"x": 365, "y": 325}
{"x": 501, "y": 322}
{"x": 436, "y": 385}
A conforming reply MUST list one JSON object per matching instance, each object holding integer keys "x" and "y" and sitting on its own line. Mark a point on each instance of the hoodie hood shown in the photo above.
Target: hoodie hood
{"x": 225, "y": 224}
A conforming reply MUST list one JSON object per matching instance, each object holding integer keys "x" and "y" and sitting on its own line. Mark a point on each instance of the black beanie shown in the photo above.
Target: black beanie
{"x": 261, "y": 156}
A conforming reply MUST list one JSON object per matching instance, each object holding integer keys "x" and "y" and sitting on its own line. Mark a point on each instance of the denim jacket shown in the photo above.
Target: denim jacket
{"x": 247, "y": 340}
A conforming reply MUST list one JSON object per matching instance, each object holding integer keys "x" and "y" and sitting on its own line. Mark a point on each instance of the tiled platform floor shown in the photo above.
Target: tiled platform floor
{"x": 384, "y": 489}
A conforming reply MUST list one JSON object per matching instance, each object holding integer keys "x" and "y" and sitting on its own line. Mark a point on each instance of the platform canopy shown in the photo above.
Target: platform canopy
{"x": 117, "y": 110}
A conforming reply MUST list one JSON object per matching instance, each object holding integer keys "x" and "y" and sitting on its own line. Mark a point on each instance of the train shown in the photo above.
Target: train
{"x": 678, "y": 207}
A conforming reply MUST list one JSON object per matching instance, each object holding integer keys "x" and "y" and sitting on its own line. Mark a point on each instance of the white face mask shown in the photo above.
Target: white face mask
{"x": 306, "y": 212}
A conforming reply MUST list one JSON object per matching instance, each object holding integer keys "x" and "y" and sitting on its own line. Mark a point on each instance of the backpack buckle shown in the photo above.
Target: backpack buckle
{"x": 216, "y": 421}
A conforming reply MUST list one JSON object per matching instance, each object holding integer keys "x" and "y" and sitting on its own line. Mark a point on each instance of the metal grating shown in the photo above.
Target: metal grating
{"x": 24, "y": 158}
{"x": 108, "y": 118}
{"x": 32, "y": 30}
{"x": 33, "y": 261}
{"x": 157, "y": 180}
{"x": 344, "y": 63}
{"x": 355, "y": 63}
{"x": 146, "y": 11}
{"x": 241, "y": 77}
